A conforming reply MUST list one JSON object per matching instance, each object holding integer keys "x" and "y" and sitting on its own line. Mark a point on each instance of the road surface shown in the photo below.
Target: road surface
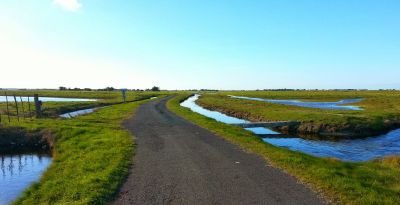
{"x": 177, "y": 162}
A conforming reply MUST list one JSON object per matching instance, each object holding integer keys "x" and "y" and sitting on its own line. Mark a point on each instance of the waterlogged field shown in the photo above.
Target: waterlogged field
{"x": 372, "y": 182}
{"x": 380, "y": 109}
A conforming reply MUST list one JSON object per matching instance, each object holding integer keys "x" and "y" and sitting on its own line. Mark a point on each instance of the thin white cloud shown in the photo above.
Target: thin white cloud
{"x": 69, "y": 5}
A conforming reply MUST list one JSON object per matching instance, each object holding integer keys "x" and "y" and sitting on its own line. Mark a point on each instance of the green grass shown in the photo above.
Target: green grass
{"x": 381, "y": 108}
{"x": 92, "y": 156}
{"x": 53, "y": 109}
{"x": 104, "y": 95}
{"x": 375, "y": 182}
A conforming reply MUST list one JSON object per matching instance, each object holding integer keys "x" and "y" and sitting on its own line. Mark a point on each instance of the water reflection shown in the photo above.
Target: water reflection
{"x": 18, "y": 171}
{"x": 339, "y": 105}
{"x": 77, "y": 113}
{"x": 346, "y": 149}
{"x": 190, "y": 103}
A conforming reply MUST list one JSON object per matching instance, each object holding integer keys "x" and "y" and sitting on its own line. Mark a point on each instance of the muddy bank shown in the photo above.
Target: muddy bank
{"x": 310, "y": 128}
{"x": 339, "y": 130}
{"x": 16, "y": 138}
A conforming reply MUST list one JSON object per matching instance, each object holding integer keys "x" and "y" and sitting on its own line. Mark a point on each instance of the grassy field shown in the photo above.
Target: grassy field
{"x": 53, "y": 109}
{"x": 381, "y": 110}
{"x": 91, "y": 158}
{"x": 103, "y": 95}
{"x": 92, "y": 153}
{"x": 375, "y": 182}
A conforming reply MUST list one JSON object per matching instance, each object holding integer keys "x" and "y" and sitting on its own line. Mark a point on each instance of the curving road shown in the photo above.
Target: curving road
{"x": 177, "y": 162}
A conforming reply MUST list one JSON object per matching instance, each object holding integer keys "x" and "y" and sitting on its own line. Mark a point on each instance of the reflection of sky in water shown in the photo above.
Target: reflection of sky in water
{"x": 77, "y": 113}
{"x": 348, "y": 150}
{"x": 262, "y": 131}
{"x": 17, "y": 172}
{"x": 322, "y": 105}
{"x": 46, "y": 99}
{"x": 190, "y": 103}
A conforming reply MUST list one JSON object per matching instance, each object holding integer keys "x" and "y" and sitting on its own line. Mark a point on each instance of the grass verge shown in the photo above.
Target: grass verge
{"x": 375, "y": 182}
{"x": 92, "y": 157}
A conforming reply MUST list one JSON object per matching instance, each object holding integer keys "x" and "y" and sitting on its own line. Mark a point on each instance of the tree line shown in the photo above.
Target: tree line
{"x": 62, "y": 88}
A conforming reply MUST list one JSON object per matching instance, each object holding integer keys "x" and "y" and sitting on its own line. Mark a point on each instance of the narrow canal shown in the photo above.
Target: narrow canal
{"x": 19, "y": 171}
{"x": 347, "y": 149}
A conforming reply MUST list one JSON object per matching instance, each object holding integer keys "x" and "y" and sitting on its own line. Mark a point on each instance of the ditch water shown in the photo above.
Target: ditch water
{"x": 18, "y": 172}
{"x": 84, "y": 111}
{"x": 78, "y": 112}
{"x": 347, "y": 149}
{"x": 339, "y": 105}
{"x": 47, "y": 99}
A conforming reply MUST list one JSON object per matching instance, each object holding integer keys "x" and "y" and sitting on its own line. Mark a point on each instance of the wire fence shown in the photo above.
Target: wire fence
{"x": 16, "y": 108}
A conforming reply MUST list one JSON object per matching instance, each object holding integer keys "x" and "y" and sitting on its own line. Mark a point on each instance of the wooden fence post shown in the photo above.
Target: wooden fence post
{"x": 8, "y": 110}
{"x": 38, "y": 106}
{"x": 29, "y": 107}
{"x": 23, "y": 108}
{"x": 123, "y": 95}
{"x": 16, "y": 106}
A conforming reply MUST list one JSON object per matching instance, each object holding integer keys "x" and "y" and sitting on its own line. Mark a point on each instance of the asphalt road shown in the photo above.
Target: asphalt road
{"x": 177, "y": 162}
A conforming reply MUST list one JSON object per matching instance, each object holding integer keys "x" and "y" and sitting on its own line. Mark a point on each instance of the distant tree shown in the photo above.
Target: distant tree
{"x": 109, "y": 89}
{"x": 87, "y": 89}
{"x": 155, "y": 88}
{"x": 62, "y": 88}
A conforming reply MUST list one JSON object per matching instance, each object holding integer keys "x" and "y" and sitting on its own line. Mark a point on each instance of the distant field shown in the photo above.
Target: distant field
{"x": 53, "y": 109}
{"x": 381, "y": 110}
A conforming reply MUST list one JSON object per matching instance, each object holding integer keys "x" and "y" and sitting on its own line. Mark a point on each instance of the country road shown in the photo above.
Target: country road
{"x": 177, "y": 162}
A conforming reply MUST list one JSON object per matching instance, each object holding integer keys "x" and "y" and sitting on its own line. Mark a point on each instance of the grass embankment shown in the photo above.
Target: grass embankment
{"x": 376, "y": 182}
{"x": 381, "y": 110}
{"x": 16, "y": 139}
{"x": 53, "y": 109}
{"x": 92, "y": 155}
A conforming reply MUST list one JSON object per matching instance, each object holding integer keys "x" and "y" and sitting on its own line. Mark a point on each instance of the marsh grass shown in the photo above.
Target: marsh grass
{"x": 53, "y": 109}
{"x": 381, "y": 108}
{"x": 92, "y": 156}
{"x": 374, "y": 182}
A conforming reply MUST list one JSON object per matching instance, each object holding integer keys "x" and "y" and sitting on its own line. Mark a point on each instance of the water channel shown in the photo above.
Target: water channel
{"x": 347, "y": 149}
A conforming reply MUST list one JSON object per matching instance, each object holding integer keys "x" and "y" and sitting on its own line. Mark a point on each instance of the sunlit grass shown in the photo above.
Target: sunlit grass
{"x": 381, "y": 108}
{"x": 92, "y": 157}
{"x": 53, "y": 109}
{"x": 375, "y": 182}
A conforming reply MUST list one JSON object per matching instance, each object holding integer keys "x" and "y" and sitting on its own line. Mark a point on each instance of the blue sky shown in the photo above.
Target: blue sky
{"x": 220, "y": 44}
